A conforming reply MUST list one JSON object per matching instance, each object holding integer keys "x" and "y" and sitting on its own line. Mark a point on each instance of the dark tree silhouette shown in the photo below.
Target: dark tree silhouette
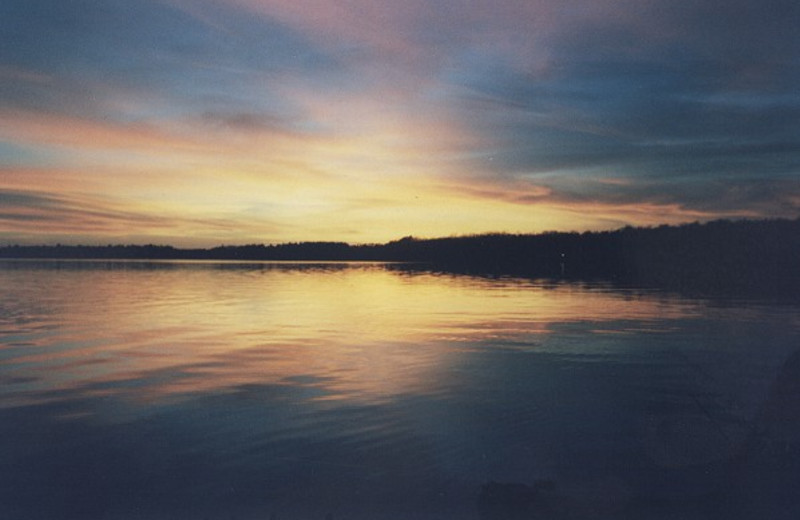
{"x": 754, "y": 256}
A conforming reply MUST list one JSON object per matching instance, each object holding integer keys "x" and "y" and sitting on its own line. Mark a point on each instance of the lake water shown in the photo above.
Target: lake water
{"x": 158, "y": 390}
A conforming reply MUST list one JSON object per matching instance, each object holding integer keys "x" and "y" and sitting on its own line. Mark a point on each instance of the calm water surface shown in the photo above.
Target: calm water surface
{"x": 366, "y": 391}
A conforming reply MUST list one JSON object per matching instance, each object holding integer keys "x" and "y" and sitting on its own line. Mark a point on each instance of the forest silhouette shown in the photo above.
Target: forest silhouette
{"x": 760, "y": 256}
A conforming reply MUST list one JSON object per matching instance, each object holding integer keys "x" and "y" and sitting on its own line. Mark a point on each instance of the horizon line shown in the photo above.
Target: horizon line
{"x": 410, "y": 236}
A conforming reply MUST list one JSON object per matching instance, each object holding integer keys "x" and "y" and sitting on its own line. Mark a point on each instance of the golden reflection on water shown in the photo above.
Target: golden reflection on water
{"x": 362, "y": 331}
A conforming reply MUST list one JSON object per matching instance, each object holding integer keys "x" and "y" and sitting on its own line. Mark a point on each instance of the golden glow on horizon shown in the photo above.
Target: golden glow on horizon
{"x": 266, "y": 121}
{"x": 209, "y": 209}
{"x": 383, "y": 174}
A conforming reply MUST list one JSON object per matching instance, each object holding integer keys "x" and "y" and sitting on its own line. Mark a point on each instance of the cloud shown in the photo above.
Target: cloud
{"x": 326, "y": 116}
{"x": 122, "y": 60}
{"x": 50, "y": 212}
{"x": 41, "y": 216}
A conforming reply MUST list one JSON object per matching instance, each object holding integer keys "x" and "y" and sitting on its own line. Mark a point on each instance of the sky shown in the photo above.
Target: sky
{"x": 204, "y": 122}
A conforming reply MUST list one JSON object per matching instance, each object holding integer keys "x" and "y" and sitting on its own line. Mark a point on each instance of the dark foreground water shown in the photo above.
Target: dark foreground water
{"x": 134, "y": 390}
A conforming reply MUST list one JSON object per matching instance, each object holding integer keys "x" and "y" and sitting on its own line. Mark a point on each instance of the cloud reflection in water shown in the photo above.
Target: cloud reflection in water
{"x": 347, "y": 332}
{"x": 194, "y": 390}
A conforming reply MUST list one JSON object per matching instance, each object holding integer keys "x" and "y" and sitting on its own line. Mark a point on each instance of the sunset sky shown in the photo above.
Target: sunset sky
{"x": 203, "y": 122}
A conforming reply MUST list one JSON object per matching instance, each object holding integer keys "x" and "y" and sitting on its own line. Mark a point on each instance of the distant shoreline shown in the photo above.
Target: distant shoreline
{"x": 206, "y": 261}
{"x": 337, "y": 251}
{"x": 719, "y": 256}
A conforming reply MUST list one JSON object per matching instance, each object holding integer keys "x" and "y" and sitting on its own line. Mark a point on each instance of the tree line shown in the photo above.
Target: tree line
{"x": 722, "y": 255}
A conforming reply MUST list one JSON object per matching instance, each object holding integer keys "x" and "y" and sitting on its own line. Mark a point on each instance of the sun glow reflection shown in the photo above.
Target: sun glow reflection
{"x": 369, "y": 332}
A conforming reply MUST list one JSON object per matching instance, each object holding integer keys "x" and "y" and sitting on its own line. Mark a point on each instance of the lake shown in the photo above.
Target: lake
{"x": 201, "y": 390}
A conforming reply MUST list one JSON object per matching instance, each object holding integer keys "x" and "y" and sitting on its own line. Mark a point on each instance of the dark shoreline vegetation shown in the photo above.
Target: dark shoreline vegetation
{"x": 760, "y": 257}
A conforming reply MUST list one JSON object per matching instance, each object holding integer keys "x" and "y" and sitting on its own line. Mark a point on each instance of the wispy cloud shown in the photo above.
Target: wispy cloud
{"x": 41, "y": 216}
{"x": 364, "y": 120}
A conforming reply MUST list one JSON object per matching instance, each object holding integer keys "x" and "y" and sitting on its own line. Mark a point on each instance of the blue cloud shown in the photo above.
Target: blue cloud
{"x": 92, "y": 49}
{"x": 687, "y": 102}
{"x": 678, "y": 117}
